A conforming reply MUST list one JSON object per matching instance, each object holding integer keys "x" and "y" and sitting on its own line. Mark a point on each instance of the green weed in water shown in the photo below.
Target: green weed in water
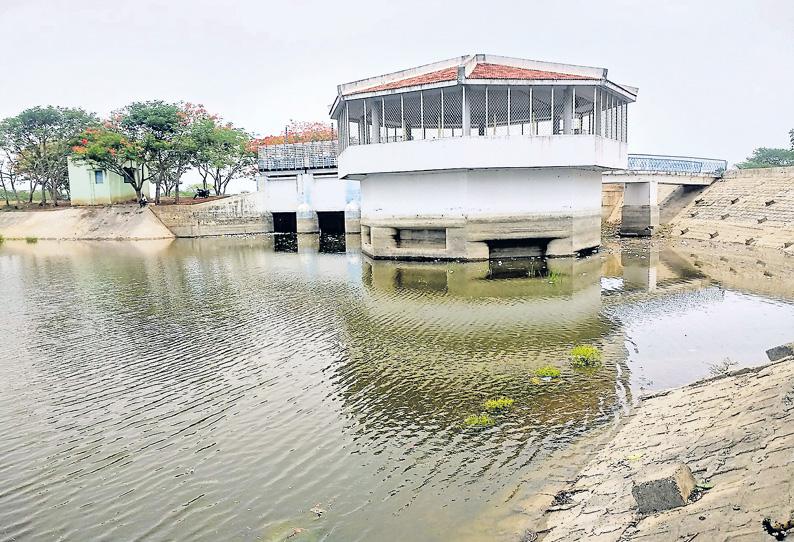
{"x": 548, "y": 371}
{"x": 478, "y": 422}
{"x": 554, "y": 277}
{"x": 498, "y": 405}
{"x": 31, "y": 240}
{"x": 585, "y": 356}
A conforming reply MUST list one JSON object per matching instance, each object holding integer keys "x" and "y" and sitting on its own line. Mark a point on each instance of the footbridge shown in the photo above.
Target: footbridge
{"x": 641, "y": 191}
{"x": 303, "y": 190}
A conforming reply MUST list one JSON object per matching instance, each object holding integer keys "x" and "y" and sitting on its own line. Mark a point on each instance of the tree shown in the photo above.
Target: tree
{"x": 166, "y": 149}
{"x": 765, "y": 157}
{"x": 111, "y": 151}
{"x": 223, "y": 152}
{"x": 39, "y": 140}
{"x": 301, "y": 132}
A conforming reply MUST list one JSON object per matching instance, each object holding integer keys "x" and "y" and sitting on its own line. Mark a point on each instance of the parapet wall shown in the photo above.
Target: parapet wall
{"x": 116, "y": 222}
{"x": 246, "y": 213}
{"x": 748, "y": 206}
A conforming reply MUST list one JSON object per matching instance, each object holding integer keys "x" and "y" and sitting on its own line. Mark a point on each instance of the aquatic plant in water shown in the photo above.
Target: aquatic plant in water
{"x": 478, "y": 421}
{"x": 548, "y": 372}
{"x": 585, "y": 356}
{"x": 31, "y": 240}
{"x": 555, "y": 277}
{"x": 498, "y": 405}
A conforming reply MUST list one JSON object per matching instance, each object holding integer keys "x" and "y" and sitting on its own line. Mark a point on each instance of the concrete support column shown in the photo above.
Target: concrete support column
{"x": 640, "y": 208}
{"x": 306, "y": 216}
{"x": 466, "y": 113}
{"x": 567, "y": 111}
{"x": 375, "y": 107}
{"x": 597, "y": 111}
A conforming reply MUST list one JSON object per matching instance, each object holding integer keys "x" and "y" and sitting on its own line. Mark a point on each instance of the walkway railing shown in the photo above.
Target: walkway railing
{"x": 295, "y": 156}
{"x": 676, "y": 164}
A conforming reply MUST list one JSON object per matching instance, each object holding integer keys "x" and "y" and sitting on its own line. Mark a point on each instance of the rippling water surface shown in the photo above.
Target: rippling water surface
{"x": 220, "y": 389}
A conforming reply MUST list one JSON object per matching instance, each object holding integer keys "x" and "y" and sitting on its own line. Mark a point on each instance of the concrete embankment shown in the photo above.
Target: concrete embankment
{"x": 749, "y": 206}
{"x": 116, "y": 222}
{"x": 735, "y": 433}
{"x": 246, "y": 213}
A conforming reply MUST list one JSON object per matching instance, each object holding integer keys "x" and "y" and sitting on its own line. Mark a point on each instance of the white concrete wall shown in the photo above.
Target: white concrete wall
{"x": 483, "y": 153}
{"x": 320, "y": 193}
{"x": 459, "y": 194}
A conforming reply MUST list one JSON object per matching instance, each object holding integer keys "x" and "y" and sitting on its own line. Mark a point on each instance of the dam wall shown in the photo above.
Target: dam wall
{"x": 747, "y": 206}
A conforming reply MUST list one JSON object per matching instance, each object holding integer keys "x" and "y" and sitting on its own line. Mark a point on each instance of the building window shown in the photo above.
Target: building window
{"x": 129, "y": 175}
{"x": 99, "y": 177}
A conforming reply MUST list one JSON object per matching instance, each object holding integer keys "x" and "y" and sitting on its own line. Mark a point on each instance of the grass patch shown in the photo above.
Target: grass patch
{"x": 554, "y": 277}
{"x": 498, "y": 405}
{"x": 31, "y": 240}
{"x": 548, "y": 371}
{"x": 585, "y": 356}
{"x": 478, "y": 421}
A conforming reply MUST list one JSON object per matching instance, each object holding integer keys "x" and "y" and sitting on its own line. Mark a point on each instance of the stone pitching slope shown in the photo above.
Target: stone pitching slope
{"x": 750, "y": 206}
{"x": 735, "y": 432}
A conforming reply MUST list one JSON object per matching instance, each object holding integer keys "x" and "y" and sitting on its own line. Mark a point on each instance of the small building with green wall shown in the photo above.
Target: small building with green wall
{"x": 89, "y": 185}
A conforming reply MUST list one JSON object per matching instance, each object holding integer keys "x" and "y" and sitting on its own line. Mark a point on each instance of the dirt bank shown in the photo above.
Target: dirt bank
{"x": 117, "y": 222}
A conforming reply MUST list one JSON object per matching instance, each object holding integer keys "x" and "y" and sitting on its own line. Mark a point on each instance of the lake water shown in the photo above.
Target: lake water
{"x": 219, "y": 389}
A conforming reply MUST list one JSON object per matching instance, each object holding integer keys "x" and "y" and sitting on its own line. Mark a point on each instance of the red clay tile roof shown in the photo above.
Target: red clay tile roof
{"x": 481, "y": 71}
{"x": 447, "y": 74}
{"x": 498, "y": 71}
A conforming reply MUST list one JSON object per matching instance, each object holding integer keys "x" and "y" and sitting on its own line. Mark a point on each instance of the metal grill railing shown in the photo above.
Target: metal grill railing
{"x": 310, "y": 155}
{"x": 676, "y": 164}
{"x": 484, "y": 111}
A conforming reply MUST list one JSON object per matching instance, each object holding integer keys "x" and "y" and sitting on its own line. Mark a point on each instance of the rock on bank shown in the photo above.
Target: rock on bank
{"x": 116, "y": 222}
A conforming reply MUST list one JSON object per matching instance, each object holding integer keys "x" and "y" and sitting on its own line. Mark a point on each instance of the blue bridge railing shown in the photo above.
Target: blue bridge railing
{"x": 676, "y": 164}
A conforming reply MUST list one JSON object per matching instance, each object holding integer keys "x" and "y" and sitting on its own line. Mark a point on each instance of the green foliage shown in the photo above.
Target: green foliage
{"x": 37, "y": 141}
{"x": 548, "y": 371}
{"x": 765, "y": 157}
{"x": 478, "y": 421}
{"x": 555, "y": 277}
{"x": 585, "y": 356}
{"x": 31, "y": 240}
{"x": 498, "y": 405}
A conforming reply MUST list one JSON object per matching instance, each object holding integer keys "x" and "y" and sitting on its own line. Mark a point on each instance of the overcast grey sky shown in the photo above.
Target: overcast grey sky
{"x": 716, "y": 78}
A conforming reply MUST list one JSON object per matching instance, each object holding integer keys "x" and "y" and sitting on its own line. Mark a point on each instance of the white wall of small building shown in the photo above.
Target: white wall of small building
{"x": 484, "y": 192}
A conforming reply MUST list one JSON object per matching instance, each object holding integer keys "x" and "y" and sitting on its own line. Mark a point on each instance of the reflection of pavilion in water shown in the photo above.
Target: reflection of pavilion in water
{"x": 435, "y": 339}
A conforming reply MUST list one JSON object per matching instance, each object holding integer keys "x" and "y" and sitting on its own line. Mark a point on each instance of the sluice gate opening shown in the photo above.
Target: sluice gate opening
{"x": 332, "y": 222}
{"x": 285, "y": 223}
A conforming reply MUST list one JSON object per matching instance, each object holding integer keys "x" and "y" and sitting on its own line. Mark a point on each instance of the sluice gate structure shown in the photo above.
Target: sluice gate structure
{"x": 302, "y": 189}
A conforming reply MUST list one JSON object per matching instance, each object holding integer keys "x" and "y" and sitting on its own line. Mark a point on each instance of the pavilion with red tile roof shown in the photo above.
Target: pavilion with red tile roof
{"x": 475, "y": 121}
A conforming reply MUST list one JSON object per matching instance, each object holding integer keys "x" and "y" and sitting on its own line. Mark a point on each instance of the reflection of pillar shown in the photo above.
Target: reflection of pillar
{"x": 639, "y": 273}
{"x": 640, "y": 208}
{"x": 466, "y": 113}
{"x": 567, "y": 111}
{"x": 353, "y": 206}
{"x": 308, "y": 243}
{"x": 306, "y": 216}
{"x": 375, "y": 108}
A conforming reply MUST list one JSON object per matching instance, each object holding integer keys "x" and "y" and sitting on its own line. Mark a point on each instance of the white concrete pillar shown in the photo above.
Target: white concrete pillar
{"x": 640, "y": 208}
{"x": 567, "y": 111}
{"x": 597, "y": 110}
{"x": 466, "y": 112}
{"x": 375, "y": 107}
{"x": 306, "y": 215}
